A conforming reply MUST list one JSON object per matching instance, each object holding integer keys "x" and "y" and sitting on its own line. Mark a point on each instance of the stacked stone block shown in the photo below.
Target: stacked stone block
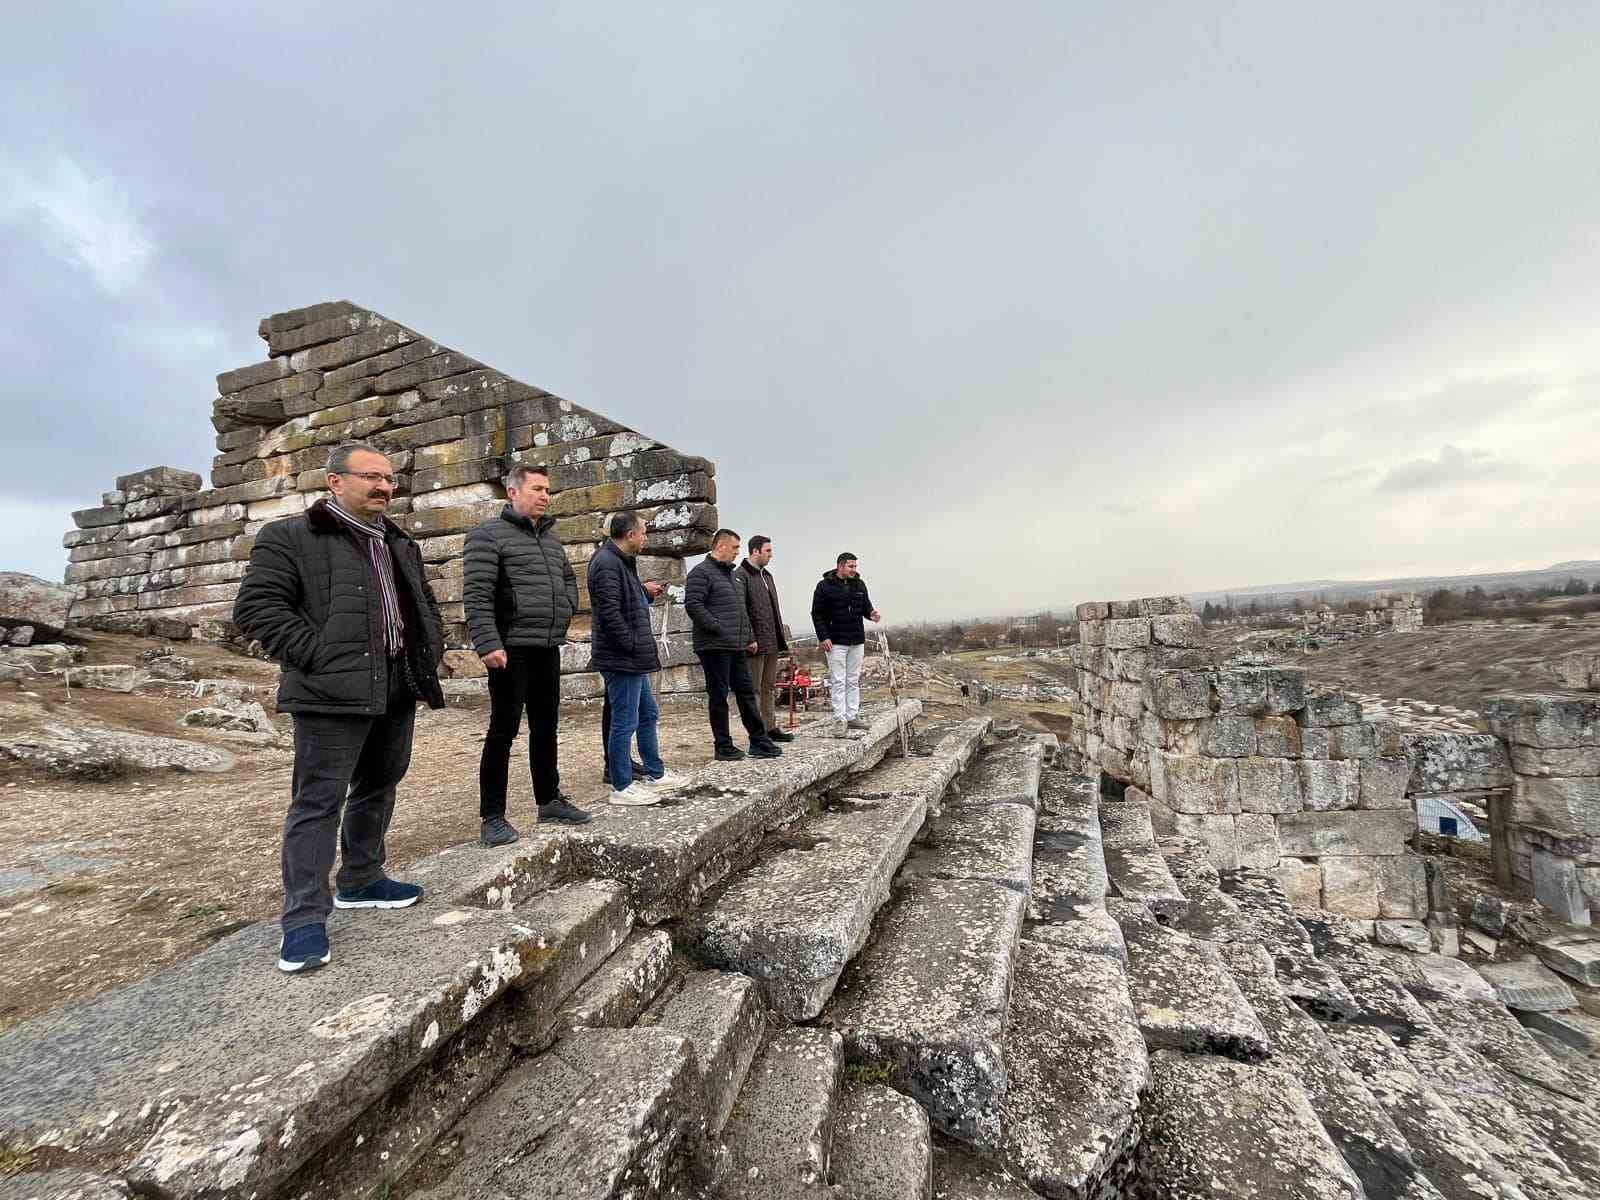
{"x": 1553, "y": 822}
{"x": 161, "y": 546}
{"x": 1247, "y": 760}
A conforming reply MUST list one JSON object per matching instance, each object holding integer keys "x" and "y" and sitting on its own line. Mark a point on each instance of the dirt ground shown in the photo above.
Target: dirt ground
{"x": 1455, "y": 664}
{"x": 104, "y": 883}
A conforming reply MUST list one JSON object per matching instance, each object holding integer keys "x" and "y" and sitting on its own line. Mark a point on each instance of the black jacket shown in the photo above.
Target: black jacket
{"x": 713, "y": 597}
{"x": 766, "y": 616}
{"x": 517, "y": 585}
{"x": 309, "y": 598}
{"x": 621, "y": 639}
{"x": 837, "y": 608}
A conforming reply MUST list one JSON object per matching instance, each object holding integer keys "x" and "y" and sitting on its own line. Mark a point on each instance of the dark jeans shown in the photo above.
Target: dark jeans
{"x": 633, "y": 711}
{"x": 727, "y": 669}
{"x": 354, "y": 762}
{"x": 531, "y": 681}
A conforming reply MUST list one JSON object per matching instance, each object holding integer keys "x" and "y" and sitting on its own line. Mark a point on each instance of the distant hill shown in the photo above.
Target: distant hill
{"x": 1336, "y": 590}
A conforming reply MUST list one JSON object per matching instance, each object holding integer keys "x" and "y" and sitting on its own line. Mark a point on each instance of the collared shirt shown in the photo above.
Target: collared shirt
{"x": 372, "y": 536}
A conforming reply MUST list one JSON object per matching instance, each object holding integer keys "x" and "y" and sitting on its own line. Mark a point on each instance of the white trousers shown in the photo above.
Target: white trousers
{"x": 844, "y": 680}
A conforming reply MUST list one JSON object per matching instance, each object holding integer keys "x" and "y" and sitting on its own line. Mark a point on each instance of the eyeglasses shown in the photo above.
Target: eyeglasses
{"x": 370, "y": 476}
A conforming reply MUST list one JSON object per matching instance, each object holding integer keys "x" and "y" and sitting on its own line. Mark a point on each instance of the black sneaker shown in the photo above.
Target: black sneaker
{"x": 729, "y": 754}
{"x": 565, "y": 811}
{"x": 497, "y": 831}
{"x": 304, "y": 949}
{"x": 779, "y": 735}
{"x": 765, "y": 750}
{"x": 638, "y": 772}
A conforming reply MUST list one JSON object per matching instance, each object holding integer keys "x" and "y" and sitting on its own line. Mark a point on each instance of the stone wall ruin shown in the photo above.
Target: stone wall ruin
{"x": 161, "y": 547}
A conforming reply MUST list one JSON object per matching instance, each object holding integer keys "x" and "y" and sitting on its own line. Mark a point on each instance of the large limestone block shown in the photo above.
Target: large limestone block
{"x": 1383, "y": 783}
{"x": 1257, "y": 837}
{"x": 1350, "y": 886}
{"x": 1179, "y": 694}
{"x": 1402, "y": 886}
{"x": 1312, "y": 834}
{"x": 1128, "y": 633}
{"x": 1565, "y": 805}
{"x": 1325, "y": 708}
{"x": 1269, "y": 785}
{"x": 1260, "y": 691}
{"x": 1182, "y": 629}
{"x": 1456, "y": 762}
{"x": 1329, "y": 785}
{"x": 1302, "y": 882}
{"x": 1550, "y": 720}
{"x": 1569, "y": 762}
{"x": 1557, "y": 886}
{"x": 1194, "y": 783}
{"x": 155, "y": 479}
{"x": 1277, "y": 737}
{"x": 26, "y": 600}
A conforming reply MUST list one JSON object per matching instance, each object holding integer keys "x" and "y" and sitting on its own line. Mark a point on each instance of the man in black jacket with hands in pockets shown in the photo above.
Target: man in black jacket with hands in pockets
{"x": 724, "y": 640}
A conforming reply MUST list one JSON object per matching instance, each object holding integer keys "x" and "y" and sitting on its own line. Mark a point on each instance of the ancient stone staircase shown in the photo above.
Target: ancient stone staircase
{"x": 962, "y": 973}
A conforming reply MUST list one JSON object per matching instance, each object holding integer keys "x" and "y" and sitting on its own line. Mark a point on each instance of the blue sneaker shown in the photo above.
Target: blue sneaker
{"x": 380, "y": 893}
{"x": 304, "y": 949}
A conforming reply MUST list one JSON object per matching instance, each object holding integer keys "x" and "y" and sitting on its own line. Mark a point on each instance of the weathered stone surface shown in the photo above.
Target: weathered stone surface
{"x": 973, "y": 839}
{"x": 1576, "y": 958}
{"x": 1069, "y": 871}
{"x": 1528, "y": 986}
{"x": 153, "y": 479}
{"x": 779, "y": 1132}
{"x": 1310, "y": 834}
{"x": 600, "y": 1114}
{"x": 1183, "y": 995}
{"x": 1076, "y": 1068}
{"x": 722, "y": 1016}
{"x": 1368, "y": 1139}
{"x": 1455, "y": 1161}
{"x": 1548, "y": 720}
{"x": 197, "y": 1033}
{"x": 941, "y": 750}
{"x": 882, "y": 1147}
{"x": 1179, "y": 695}
{"x": 1329, "y": 785}
{"x": 1406, "y": 935}
{"x": 927, "y": 1000}
{"x": 1565, "y": 805}
{"x": 1384, "y": 782}
{"x": 1135, "y": 868}
{"x": 1177, "y": 629}
{"x": 1004, "y": 774}
{"x": 1220, "y": 1129}
{"x": 26, "y": 600}
{"x": 1326, "y": 707}
{"x": 1402, "y": 886}
{"x": 63, "y": 1185}
{"x": 615, "y": 995}
{"x": 1557, "y": 885}
{"x": 1127, "y": 633}
{"x": 1192, "y": 783}
{"x": 1571, "y": 1027}
{"x": 668, "y": 855}
{"x": 796, "y": 918}
{"x": 1350, "y": 886}
{"x": 1271, "y": 785}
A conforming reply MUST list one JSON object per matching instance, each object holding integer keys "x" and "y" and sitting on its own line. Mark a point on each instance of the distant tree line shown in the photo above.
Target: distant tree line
{"x": 928, "y": 638}
{"x": 1449, "y": 604}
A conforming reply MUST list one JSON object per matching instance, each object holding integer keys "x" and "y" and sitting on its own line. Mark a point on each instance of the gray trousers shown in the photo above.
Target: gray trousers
{"x": 352, "y": 763}
{"x": 764, "y": 673}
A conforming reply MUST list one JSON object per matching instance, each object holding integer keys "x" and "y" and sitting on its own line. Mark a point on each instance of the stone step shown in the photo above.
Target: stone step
{"x": 1066, "y": 905}
{"x": 926, "y": 1000}
{"x": 722, "y": 1016}
{"x": 1441, "y": 1143}
{"x": 1136, "y": 868}
{"x": 1224, "y": 1130}
{"x": 669, "y": 855}
{"x": 882, "y": 1147}
{"x": 1528, "y": 985}
{"x": 225, "y": 1078}
{"x": 625, "y": 984}
{"x": 940, "y": 751}
{"x": 985, "y": 829}
{"x": 601, "y": 1114}
{"x": 1183, "y": 995}
{"x": 1267, "y": 918}
{"x": 1371, "y": 1143}
{"x": 1076, "y": 1068}
{"x": 957, "y": 1175}
{"x": 780, "y": 1134}
{"x": 794, "y": 919}
{"x": 472, "y": 875}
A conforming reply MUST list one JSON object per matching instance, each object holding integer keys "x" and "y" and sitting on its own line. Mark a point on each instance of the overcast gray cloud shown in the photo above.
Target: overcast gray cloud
{"x": 1025, "y": 304}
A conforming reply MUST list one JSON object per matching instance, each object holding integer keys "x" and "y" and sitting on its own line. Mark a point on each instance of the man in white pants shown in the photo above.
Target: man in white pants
{"x": 837, "y": 608}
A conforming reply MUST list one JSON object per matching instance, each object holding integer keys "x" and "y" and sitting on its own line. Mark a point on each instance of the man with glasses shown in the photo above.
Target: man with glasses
{"x": 520, "y": 593}
{"x": 337, "y": 596}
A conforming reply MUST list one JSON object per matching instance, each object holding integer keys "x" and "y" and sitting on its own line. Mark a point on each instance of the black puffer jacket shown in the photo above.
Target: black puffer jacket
{"x": 518, "y": 587}
{"x": 837, "y": 608}
{"x": 622, "y": 638}
{"x": 713, "y": 597}
{"x": 310, "y": 599}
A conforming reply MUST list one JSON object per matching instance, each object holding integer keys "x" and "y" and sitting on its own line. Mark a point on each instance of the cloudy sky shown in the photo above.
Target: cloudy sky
{"x": 1023, "y": 303}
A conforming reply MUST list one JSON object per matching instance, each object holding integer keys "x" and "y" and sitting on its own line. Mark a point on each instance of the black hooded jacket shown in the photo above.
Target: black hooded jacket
{"x": 838, "y": 607}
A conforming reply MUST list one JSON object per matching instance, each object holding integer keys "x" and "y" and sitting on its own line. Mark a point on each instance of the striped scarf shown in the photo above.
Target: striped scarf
{"x": 394, "y": 629}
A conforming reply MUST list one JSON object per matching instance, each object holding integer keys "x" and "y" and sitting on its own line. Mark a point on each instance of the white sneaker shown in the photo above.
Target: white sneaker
{"x": 669, "y": 779}
{"x": 636, "y": 794}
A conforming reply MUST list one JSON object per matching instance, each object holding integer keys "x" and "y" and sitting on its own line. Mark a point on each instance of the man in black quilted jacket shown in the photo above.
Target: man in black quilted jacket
{"x": 713, "y": 596}
{"x": 520, "y": 595}
{"x": 338, "y": 597}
